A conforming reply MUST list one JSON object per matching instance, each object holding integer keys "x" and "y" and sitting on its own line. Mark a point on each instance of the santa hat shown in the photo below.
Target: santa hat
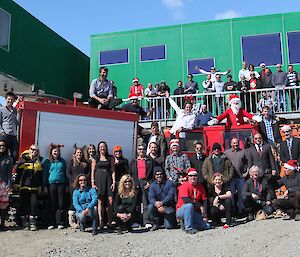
{"x": 133, "y": 96}
{"x": 291, "y": 165}
{"x": 135, "y": 80}
{"x": 234, "y": 98}
{"x": 192, "y": 171}
{"x": 174, "y": 142}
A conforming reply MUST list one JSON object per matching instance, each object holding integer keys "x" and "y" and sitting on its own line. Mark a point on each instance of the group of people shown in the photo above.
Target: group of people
{"x": 102, "y": 93}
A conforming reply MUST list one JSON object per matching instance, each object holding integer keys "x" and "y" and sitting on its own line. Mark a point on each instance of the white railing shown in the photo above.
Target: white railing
{"x": 285, "y": 100}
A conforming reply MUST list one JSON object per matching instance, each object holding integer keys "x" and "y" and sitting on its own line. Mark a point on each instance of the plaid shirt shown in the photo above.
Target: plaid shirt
{"x": 269, "y": 130}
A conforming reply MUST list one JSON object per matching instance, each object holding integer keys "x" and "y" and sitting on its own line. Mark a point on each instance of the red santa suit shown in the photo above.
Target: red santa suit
{"x": 234, "y": 120}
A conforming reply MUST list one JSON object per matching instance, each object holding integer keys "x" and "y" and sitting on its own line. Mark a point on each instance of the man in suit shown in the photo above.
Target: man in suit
{"x": 268, "y": 127}
{"x": 260, "y": 154}
{"x": 197, "y": 161}
{"x": 290, "y": 147}
{"x": 158, "y": 138}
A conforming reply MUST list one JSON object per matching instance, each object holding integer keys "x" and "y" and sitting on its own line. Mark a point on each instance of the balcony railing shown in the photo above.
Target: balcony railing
{"x": 282, "y": 101}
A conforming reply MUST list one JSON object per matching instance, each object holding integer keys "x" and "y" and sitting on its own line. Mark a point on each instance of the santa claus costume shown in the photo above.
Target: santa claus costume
{"x": 235, "y": 115}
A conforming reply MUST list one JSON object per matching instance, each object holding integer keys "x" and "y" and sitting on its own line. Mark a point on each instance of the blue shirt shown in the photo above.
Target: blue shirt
{"x": 202, "y": 119}
{"x": 102, "y": 89}
{"x": 269, "y": 130}
{"x": 54, "y": 172}
{"x": 164, "y": 193}
{"x": 88, "y": 198}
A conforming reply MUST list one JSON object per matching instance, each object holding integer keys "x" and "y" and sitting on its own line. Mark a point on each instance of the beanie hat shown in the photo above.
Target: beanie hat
{"x": 216, "y": 146}
{"x": 117, "y": 148}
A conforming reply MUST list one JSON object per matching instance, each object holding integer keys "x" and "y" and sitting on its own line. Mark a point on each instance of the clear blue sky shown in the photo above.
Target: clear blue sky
{"x": 76, "y": 20}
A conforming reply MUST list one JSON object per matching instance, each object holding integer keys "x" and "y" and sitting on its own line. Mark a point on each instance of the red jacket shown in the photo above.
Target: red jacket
{"x": 234, "y": 120}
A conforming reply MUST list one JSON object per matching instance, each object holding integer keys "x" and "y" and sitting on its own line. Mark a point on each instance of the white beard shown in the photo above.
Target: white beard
{"x": 235, "y": 108}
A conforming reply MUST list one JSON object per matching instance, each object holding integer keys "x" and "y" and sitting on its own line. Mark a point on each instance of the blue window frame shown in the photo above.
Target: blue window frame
{"x": 203, "y": 63}
{"x": 152, "y": 53}
{"x": 5, "y": 19}
{"x": 262, "y": 48}
{"x": 294, "y": 46}
{"x": 113, "y": 57}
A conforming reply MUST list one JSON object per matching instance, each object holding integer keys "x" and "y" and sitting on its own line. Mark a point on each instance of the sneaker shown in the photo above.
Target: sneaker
{"x": 154, "y": 227}
{"x": 135, "y": 225}
{"x": 94, "y": 232}
{"x": 51, "y": 227}
{"x": 287, "y": 217}
{"x": 191, "y": 231}
{"x": 297, "y": 217}
{"x": 278, "y": 214}
{"x": 60, "y": 227}
{"x": 33, "y": 227}
{"x": 148, "y": 226}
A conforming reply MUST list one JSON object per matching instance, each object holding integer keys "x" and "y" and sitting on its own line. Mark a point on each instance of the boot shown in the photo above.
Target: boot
{"x": 72, "y": 220}
{"x": 32, "y": 221}
{"x": 25, "y": 223}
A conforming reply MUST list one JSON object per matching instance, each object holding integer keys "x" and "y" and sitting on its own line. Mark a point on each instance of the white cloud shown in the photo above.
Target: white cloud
{"x": 227, "y": 15}
{"x": 176, "y": 6}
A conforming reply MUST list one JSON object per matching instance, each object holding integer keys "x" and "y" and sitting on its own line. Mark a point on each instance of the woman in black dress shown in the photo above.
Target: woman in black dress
{"x": 220, "y": 200}
{"x": 103, "y": 179}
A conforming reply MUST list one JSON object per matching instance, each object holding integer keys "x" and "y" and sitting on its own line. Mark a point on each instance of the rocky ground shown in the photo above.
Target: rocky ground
{"x": 272, "y": 238}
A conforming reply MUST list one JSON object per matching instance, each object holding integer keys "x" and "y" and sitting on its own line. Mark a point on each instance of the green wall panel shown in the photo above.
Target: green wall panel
{"x": 218, "y": 39}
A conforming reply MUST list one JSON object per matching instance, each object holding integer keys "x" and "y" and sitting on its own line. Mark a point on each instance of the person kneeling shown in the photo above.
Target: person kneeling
{"x": 161, "y": 199}
{"x": 85, "y": 201}
{"x": 220, "y": 199}
{"x": 125, "y": 203}
{"x": 191, "y": 205}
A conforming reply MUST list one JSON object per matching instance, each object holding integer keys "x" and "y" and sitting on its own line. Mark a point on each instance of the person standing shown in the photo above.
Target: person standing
{"x": 197, "y": 161}
{"x": 203, "y": 117}
{"x": 290, "y": 147}
{"x": 238, "y": 159}
{"x": 191, "y": 87}
{"x": 280, "y": 81}
{"x": 9, "y": 120}
{"x": 121, "y": 164}
{"x": 55, "y": 180}
{"x": 101, "y": 92}
{"x": 179, "y": 91}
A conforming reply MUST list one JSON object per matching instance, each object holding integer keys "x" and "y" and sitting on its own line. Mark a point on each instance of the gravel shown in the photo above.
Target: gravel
{"x": 272, "y": 238}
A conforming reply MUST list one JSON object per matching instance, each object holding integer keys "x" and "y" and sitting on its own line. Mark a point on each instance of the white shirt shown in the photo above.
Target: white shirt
{"x": 151, "y": 140}
{"x": 149, "y": 92}
{"x": 213, "y": 75}
{"x": 183, "y": 120}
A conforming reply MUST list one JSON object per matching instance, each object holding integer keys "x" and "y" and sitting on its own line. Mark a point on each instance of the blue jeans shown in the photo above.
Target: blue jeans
{"x": 236, "y": 185}
{"x": 168, "y": 217}
{"x": 192, "y": 219}
{"x": 92, "y": 215}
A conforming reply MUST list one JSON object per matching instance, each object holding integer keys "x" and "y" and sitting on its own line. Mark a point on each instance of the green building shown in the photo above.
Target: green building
{"x": 170, "y": 53}
{"x": 30, "y": 52}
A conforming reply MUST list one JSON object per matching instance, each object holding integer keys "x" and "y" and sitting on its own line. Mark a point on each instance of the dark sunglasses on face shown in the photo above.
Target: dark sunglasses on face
{"x": 193, "y": 175}
{"x": 128, "y": 181}
{"x": 118, "y": 151}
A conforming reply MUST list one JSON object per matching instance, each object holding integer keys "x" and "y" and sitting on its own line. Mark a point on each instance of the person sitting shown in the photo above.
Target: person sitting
{"x": 85, "y": 200}
{"x": 290, "y": 203}
{"x": 125, "y": 203}
{"x": 176, "y": 163}
{"x": 101, "y": 92}
{"x": 29, "y": 181}
{"x": 184, "y": 119}
{"x": 192, "y": 204}
{"x": 134, "y": 106}
{"x": 161, "y": 201}
{"x": 257, "y": 194}
{"x": 203, "y": 117}
{"x": 220, "y": 199}
{"x": 290, "y": 147}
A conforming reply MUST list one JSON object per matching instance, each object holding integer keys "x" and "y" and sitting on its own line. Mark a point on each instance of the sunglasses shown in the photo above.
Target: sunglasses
{"x": 257, "y": 138}
{"x": 287, "y": 131}
{"x": 33, "y": 149}
{"x": 193, "y": 175}
{"x": 128, "y": 181}
{"x": 82, "y": 180}
{"x": 118, "y": 151}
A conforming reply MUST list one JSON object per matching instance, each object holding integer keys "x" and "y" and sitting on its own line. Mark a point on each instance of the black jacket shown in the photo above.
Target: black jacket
{"x": 149, "y": 171}
{"x": 265, "y": 194}
{"x": 161, "y": 143}
{"x": 284, "y": 152}
{"x": 197, "y": 164}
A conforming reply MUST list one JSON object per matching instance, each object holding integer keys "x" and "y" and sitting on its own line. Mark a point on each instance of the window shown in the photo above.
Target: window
{"x": 151, "y": 53}
{"x": 187, "y": 140}
{"x": 4, "y": 29}
{"x": 114, "y": 57}
{"x": 204, "y": 64}
{"x": 244, "y": 136}
{"x": 293, "y": 44}
{"x": 262, "y": 48}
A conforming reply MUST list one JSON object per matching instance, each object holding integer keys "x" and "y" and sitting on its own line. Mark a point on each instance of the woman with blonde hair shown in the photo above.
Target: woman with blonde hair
{"x": 220, "y": 199}
{"x": 125, "y": 203}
